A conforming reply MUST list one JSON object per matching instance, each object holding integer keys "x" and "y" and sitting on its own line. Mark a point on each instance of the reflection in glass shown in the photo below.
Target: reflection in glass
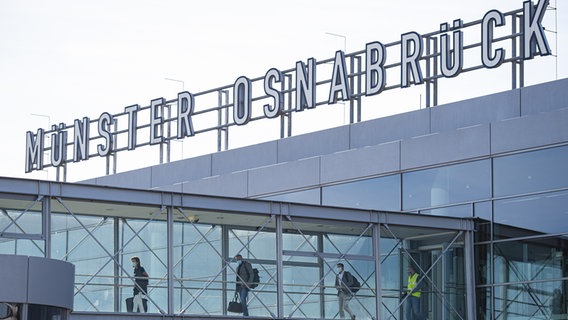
{"x": 21, "y": 217}
{"x": 461, "y": 211}
{"x": 532, "y": 209}
{"x": 195, "y": 245}
{"x": 531, "y": 171}
{"x": 94, "y": 269}
{"x": 533, "y": 300}
{"x": 529, "y": 260}
{"x": 446, "y": 185}
{"x": 379, "y": 193}
{"x": 148, "y": 241}
{"x": 311, "y": 196}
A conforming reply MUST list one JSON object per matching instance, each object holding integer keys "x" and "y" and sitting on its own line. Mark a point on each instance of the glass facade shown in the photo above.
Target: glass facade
{"x": 520, "y": 201}
{"x": 518, "y": 256}
{"x": 189, "y": 252}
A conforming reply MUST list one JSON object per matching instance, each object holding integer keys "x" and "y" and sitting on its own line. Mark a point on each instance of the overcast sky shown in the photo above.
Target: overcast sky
{"x": 65, "y": 60}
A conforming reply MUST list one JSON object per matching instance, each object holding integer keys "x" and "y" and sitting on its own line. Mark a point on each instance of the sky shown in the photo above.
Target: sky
{"x": 62, "y": 60}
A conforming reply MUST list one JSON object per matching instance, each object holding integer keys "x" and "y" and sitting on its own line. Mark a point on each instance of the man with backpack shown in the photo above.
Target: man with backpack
{"x": 344, "y": 282}
{"x": 245, "y": 276}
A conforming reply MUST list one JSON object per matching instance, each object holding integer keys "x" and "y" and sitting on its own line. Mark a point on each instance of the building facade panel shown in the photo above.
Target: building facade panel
{"x": 259, "y": 155}
{"x": 544, "y": 97}
{"x": 180, "y": 171}
{"x": 482, "y": 110}
{"x": 313, "y": 144}
{"x": 285, "y": 176}
{"x": 51, "y": 282}
{"x": 361, "y": 162}
{"x": 443, "y": 147}
{"x": 15, "y": 277}
{"x": 392, "y": 128}
{"x": 230, "y": 185}
{"x": 529, "y": 132}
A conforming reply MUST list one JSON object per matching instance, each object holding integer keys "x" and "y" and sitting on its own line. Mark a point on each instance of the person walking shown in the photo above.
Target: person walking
{"x": 413, "y": 296}
{"x": 245, "y": 276}
{"x": 140, "y": 285}
{"x": 343, "y": 284}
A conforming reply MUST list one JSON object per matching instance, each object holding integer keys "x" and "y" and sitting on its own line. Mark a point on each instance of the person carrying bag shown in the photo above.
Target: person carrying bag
{"x": 235, "y": 305}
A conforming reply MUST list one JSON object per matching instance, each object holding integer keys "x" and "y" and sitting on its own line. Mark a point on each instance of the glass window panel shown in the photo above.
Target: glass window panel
{"x": 527, "y": 212}
{"x": 483, "y": 265}
{"x": 20, "y": 216}
{"x": 198, "y": 290}
{"x": 363, "y": 303}
{"x": 302, "y": 294}
{"x": 94, "y": 269}
{"x": 529, "y": 260}
{"x": 531, "y": 171}
{"x": 348, "y": 244}
{"x": 148, "y": 241}
{"x": 379, "y": 193}
{"x": 252, "y": 244}
{"x": 533, "y": 300}
{"x": 297, "y": 242}
{"x": 446, "y": 185}
{"x": 311, "y": 196}
{"x": 461, "y": 211}
{"x": 483, "y": 304}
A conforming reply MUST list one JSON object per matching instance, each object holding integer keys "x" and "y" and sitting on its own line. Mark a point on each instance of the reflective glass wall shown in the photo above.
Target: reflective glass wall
{"x": 520, "y": 201}
{"x": 188, "y": 254}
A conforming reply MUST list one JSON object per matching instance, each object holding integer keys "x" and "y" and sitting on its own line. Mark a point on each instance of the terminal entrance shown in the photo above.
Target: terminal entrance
{"x": 437, "y": 257}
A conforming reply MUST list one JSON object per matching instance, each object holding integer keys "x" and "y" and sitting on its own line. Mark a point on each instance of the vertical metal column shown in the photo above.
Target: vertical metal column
{"x": 428, "y": 73}
{"x": 377, "y": 255}
{"x": 517, "y": 65}
{"x": 222, "y": 122}
{"x": 167, "y": 135}
{"x": 170, "y": 259}
{"x": 117, "y": 299}
{"x": 469, "y": 274}
{"x": 225, "y": 254}
{"x": 355, "y": 79}
{"x": 286, "y": 127}
{"x": 279, "y": 267}
{"x": 46, "y": 220}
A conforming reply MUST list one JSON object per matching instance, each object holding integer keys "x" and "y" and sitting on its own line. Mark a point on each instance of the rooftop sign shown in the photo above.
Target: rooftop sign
{"x": 279, "y": 93}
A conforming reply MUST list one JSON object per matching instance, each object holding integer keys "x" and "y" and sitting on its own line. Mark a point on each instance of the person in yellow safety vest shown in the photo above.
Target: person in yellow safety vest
{"x": 413, "y": 298}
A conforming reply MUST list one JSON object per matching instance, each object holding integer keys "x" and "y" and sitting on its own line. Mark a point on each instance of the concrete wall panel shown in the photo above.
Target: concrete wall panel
{"x": 180, "y": 171}
{"x": 313, "y": 144}
{"x": 227, "y": 185}
{"x": 51, "y": 282}
{"x": 14, "y": 278}
{"x": 445, "y": 147}
{"x": 529, "y": 132}
{"x": 476, "y": 111}
{"x": 360, "y": 162}
{"x": 544, "y": 97}
{"x": 259, "y": 155}
{"x": 285, "y": 176}
{"x": 392, "y": 128}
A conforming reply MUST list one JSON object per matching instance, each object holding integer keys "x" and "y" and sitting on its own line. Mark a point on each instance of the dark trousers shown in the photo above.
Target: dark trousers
{"x": 413, "y": 309}
{"x": 243, "y": 293}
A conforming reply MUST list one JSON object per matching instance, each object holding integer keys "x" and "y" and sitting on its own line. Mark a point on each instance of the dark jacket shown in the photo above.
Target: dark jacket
{"x": 141, "y": 279}
{"x": 244, "y": 273}
{"x": 346, "y": 282}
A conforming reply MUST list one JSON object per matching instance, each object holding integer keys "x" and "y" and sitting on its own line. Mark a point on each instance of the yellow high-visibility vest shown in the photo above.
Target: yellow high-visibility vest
{"x": 412, "y": 279}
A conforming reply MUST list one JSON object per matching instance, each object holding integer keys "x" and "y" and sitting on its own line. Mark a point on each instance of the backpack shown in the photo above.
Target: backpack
{"x": 255, "y": 278}
{"x": 355, "y": 285}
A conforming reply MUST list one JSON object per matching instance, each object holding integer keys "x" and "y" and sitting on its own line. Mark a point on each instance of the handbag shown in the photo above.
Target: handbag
{"x": 235, "y": 305}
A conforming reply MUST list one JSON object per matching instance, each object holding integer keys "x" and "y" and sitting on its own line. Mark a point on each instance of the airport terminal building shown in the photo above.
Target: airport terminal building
{"x": 473, "y": 194}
